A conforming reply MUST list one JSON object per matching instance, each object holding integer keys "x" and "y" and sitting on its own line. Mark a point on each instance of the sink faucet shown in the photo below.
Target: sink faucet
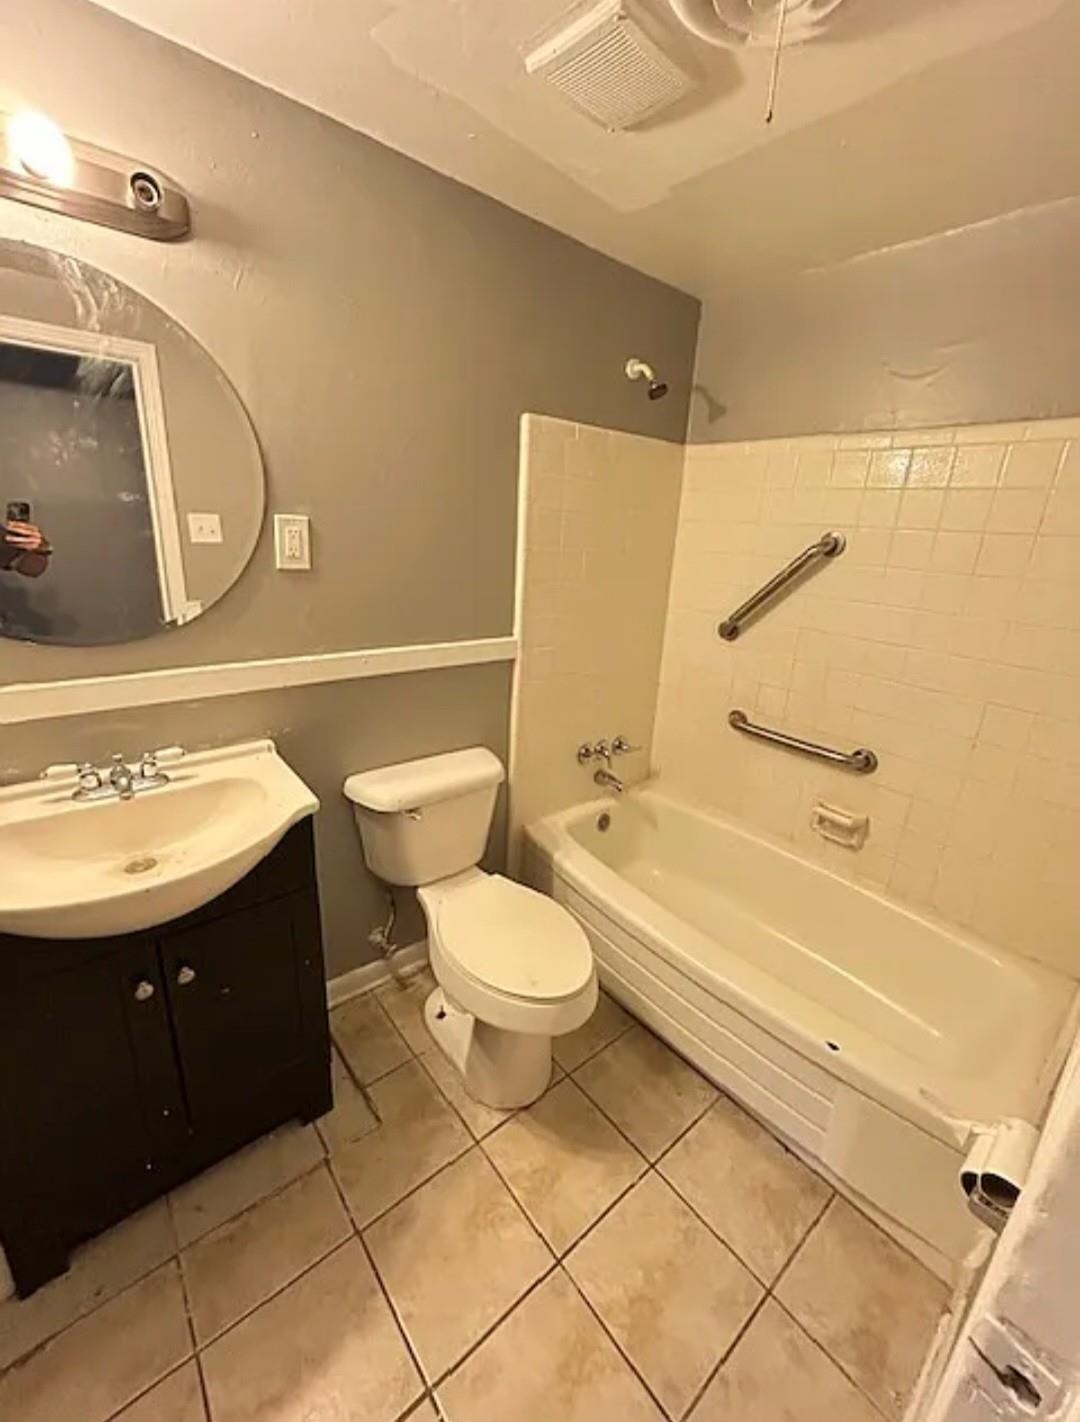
{"x": 121, "y": 778}
{"x": 123, "y": 782}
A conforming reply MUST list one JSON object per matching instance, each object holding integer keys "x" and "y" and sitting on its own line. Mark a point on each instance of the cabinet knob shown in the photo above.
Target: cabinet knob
{"x": 144, "y": 991}
{"x": 185, "y": 975}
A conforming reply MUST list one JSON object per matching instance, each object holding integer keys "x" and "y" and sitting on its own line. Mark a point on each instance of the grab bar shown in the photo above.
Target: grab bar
{"x": 827, "y": 546}
{"x": 862, "y": 761}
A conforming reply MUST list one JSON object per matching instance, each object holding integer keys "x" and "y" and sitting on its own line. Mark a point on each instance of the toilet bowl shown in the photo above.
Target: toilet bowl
{"x": 513, "y": 968}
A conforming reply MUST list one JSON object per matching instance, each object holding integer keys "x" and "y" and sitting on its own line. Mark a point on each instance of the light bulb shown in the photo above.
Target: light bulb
{"x": 40, "y": 147}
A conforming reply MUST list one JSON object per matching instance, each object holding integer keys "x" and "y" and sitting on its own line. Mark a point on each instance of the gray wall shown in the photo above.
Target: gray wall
{"x": 981, "y": 324}
{"x": 386, "y": 328}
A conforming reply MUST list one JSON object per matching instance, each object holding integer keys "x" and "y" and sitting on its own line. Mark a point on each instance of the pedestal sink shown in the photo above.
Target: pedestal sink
{"x": 89, "y": 869}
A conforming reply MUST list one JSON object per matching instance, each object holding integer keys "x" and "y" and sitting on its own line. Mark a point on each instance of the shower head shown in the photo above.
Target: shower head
{"x": 637, "y": 369}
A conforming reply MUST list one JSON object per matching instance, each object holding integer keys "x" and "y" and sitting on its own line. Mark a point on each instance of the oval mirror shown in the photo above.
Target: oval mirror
{"x": 131, "y": 482}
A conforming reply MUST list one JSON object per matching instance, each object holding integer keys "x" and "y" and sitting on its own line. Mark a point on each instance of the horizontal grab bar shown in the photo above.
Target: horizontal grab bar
{"x": 827, "y": 546}
{"x": 862, "y": 761}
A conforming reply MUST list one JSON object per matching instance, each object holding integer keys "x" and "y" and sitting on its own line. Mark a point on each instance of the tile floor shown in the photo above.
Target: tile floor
{"x": 633, "y": 1246}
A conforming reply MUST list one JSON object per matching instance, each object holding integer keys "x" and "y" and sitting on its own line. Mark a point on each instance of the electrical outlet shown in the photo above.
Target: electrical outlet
{"x": 292, "y": 542}
{"x": 204, "y": 527}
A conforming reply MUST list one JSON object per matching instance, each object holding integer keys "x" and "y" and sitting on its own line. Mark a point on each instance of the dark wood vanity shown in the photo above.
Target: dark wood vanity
{"x": 129, "y": 1064}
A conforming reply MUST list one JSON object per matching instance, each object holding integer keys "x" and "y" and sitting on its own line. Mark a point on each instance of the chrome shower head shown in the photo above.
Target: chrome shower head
{"x": 637, "y": 369}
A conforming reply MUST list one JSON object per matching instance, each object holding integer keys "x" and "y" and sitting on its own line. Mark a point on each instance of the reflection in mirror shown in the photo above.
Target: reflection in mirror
{"x": 89, "y": 515}
{"x": 131, "y": 483}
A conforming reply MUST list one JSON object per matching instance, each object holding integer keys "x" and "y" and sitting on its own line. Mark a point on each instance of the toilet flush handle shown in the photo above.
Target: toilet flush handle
{"x": 414, "y": 815}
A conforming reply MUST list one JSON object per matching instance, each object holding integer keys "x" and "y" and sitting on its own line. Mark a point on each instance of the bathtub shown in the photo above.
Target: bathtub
{"x": 869, "y": 1036}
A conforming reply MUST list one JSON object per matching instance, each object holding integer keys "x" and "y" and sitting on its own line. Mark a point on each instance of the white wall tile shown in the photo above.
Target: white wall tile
{"x": 947, "y": 637}
{"x": 593, "y": 595}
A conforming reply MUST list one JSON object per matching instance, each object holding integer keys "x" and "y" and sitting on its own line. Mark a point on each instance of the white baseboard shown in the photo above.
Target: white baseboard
{"x": 410, "y": 958}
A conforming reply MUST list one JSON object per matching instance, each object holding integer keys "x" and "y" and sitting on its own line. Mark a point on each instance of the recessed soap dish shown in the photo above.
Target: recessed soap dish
{"x": 840, "y": 826}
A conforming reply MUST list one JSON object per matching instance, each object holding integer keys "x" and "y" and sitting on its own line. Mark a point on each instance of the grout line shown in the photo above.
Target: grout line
{"x": 715, "y": 1370}
{"x": 131, "y": 1402}
{"x": 204, "y": 1387}
{"x": 572, "y": 1076}
{"x": 559, "y": 1257}
{"x": 614, "y": 1341}
{"x": 537, "y": 1283}
{"x": 14, "y": 1300}
{"x": 357, "y": 1235}
{"x": 875, "y": 1405}
{"x": 632, "y": 1022}
{"x": 472, "y": 1145}
{"x": 797, "y": 1251}
{"x": 278, "y": 1189}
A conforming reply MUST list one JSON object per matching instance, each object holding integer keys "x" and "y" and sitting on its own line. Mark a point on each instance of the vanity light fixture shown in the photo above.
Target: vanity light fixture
{"x": 41, "y": 166}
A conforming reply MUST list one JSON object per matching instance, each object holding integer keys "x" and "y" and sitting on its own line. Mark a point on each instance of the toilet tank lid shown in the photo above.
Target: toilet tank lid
{"x": 413, "y": 783}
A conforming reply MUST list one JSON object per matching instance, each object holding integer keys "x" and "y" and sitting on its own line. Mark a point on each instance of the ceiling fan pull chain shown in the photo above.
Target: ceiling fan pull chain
{"x": 774, "y": 75}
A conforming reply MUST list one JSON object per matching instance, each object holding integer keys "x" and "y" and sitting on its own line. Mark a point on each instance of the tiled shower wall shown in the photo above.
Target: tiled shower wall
{"x": 596, "y": 533}
{"x": 946, "y": 638}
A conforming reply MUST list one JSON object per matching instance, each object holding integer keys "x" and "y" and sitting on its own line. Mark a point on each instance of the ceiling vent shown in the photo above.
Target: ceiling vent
{"x": 604, "y": 62}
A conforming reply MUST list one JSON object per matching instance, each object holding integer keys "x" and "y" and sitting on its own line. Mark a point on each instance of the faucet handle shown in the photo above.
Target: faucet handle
{"x": 621, "y": 746}
{"x": 148, "y": 765}
{"x": 585, "y": 752}
{"x": 89, "y": 776}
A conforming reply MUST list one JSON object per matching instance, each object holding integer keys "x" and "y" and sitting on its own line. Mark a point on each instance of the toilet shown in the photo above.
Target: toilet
{"x": 514, "y": 969}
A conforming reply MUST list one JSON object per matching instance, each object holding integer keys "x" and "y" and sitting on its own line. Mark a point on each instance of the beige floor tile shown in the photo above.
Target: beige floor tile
{"x": 351, "y": 1116}
{"x": 454, "y": 1257}
{"x": 648, "y": 1091}
{"x": 418, "y": 1134}
{"x": 778, "y": 1374}
{"x": 261, "y": 1168}
{"x": 177, "y": 1399}
{"x": 241, "y": 1263}
{"x": 754, "y": 1193}
{"x": 106, "y": 1360}
{"x": 325, "y": 1350}
{"x": 98, "y": 1270}
{"x": 480, "y": 1119}
{"x": 367, "y": 1039}
{"x": 404, "y": 1005}
{"x": 549, "y": 1360}
{"x": 870, "y": 1305}
{"x": 672, "y": 1296}
{"x": 607, "y": 1022}
{"x": 565, "y": 1163}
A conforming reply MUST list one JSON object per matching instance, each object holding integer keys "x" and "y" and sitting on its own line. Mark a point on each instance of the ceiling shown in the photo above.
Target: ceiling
{"x": 908, "y": 119}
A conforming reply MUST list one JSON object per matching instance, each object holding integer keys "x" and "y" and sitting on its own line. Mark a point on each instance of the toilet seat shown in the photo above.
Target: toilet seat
{"x": 512, "y": 956}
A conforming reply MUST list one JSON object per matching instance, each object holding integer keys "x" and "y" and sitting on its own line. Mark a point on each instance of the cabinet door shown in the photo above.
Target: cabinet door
{"x": 234, "y": 990}
{"x": 89, "y": 1092}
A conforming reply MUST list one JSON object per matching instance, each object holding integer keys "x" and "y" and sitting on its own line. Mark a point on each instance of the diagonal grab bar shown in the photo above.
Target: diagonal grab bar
{"x": 862, "y": 761}
{"x": 827, "y": 546}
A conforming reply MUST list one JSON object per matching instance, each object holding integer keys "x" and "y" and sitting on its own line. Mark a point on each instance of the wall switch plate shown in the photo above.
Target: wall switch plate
{"x": 204, "y": 527}
{"x": 292, "y": 542}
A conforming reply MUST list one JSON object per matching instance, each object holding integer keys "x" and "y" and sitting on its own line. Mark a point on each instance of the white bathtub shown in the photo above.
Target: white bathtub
{"x": 872, "y": 1037}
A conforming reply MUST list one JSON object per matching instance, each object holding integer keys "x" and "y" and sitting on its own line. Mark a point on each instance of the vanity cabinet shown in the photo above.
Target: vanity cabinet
{"x": 129, "y": 1064}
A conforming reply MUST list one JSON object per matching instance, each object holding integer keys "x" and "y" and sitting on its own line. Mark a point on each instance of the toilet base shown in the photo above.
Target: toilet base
{"x": 498, "y": 1068}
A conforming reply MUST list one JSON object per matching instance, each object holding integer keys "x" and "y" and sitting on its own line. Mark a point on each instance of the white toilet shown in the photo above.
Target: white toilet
{"x": 514, "y": 968}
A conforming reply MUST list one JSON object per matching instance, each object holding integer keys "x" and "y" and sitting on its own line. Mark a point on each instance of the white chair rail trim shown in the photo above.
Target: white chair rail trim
{"x": 81, "y": 696}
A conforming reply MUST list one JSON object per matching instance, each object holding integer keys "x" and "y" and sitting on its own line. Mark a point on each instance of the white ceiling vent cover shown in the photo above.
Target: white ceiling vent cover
{"x": 605, "y": 63}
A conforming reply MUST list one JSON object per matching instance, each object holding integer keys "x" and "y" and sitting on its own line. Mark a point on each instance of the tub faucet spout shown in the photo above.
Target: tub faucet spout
{"x": 608, "y": 780}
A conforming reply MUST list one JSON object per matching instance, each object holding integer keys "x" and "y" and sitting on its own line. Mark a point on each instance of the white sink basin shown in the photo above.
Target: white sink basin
{"x": 87, "y": 869}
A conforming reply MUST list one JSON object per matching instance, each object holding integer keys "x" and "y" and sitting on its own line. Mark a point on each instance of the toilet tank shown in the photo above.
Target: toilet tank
{"x": 423, "y": 820}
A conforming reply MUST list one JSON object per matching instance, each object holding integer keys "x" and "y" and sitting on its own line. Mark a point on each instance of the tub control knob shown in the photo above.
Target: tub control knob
{"x": 144, "y": 991}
